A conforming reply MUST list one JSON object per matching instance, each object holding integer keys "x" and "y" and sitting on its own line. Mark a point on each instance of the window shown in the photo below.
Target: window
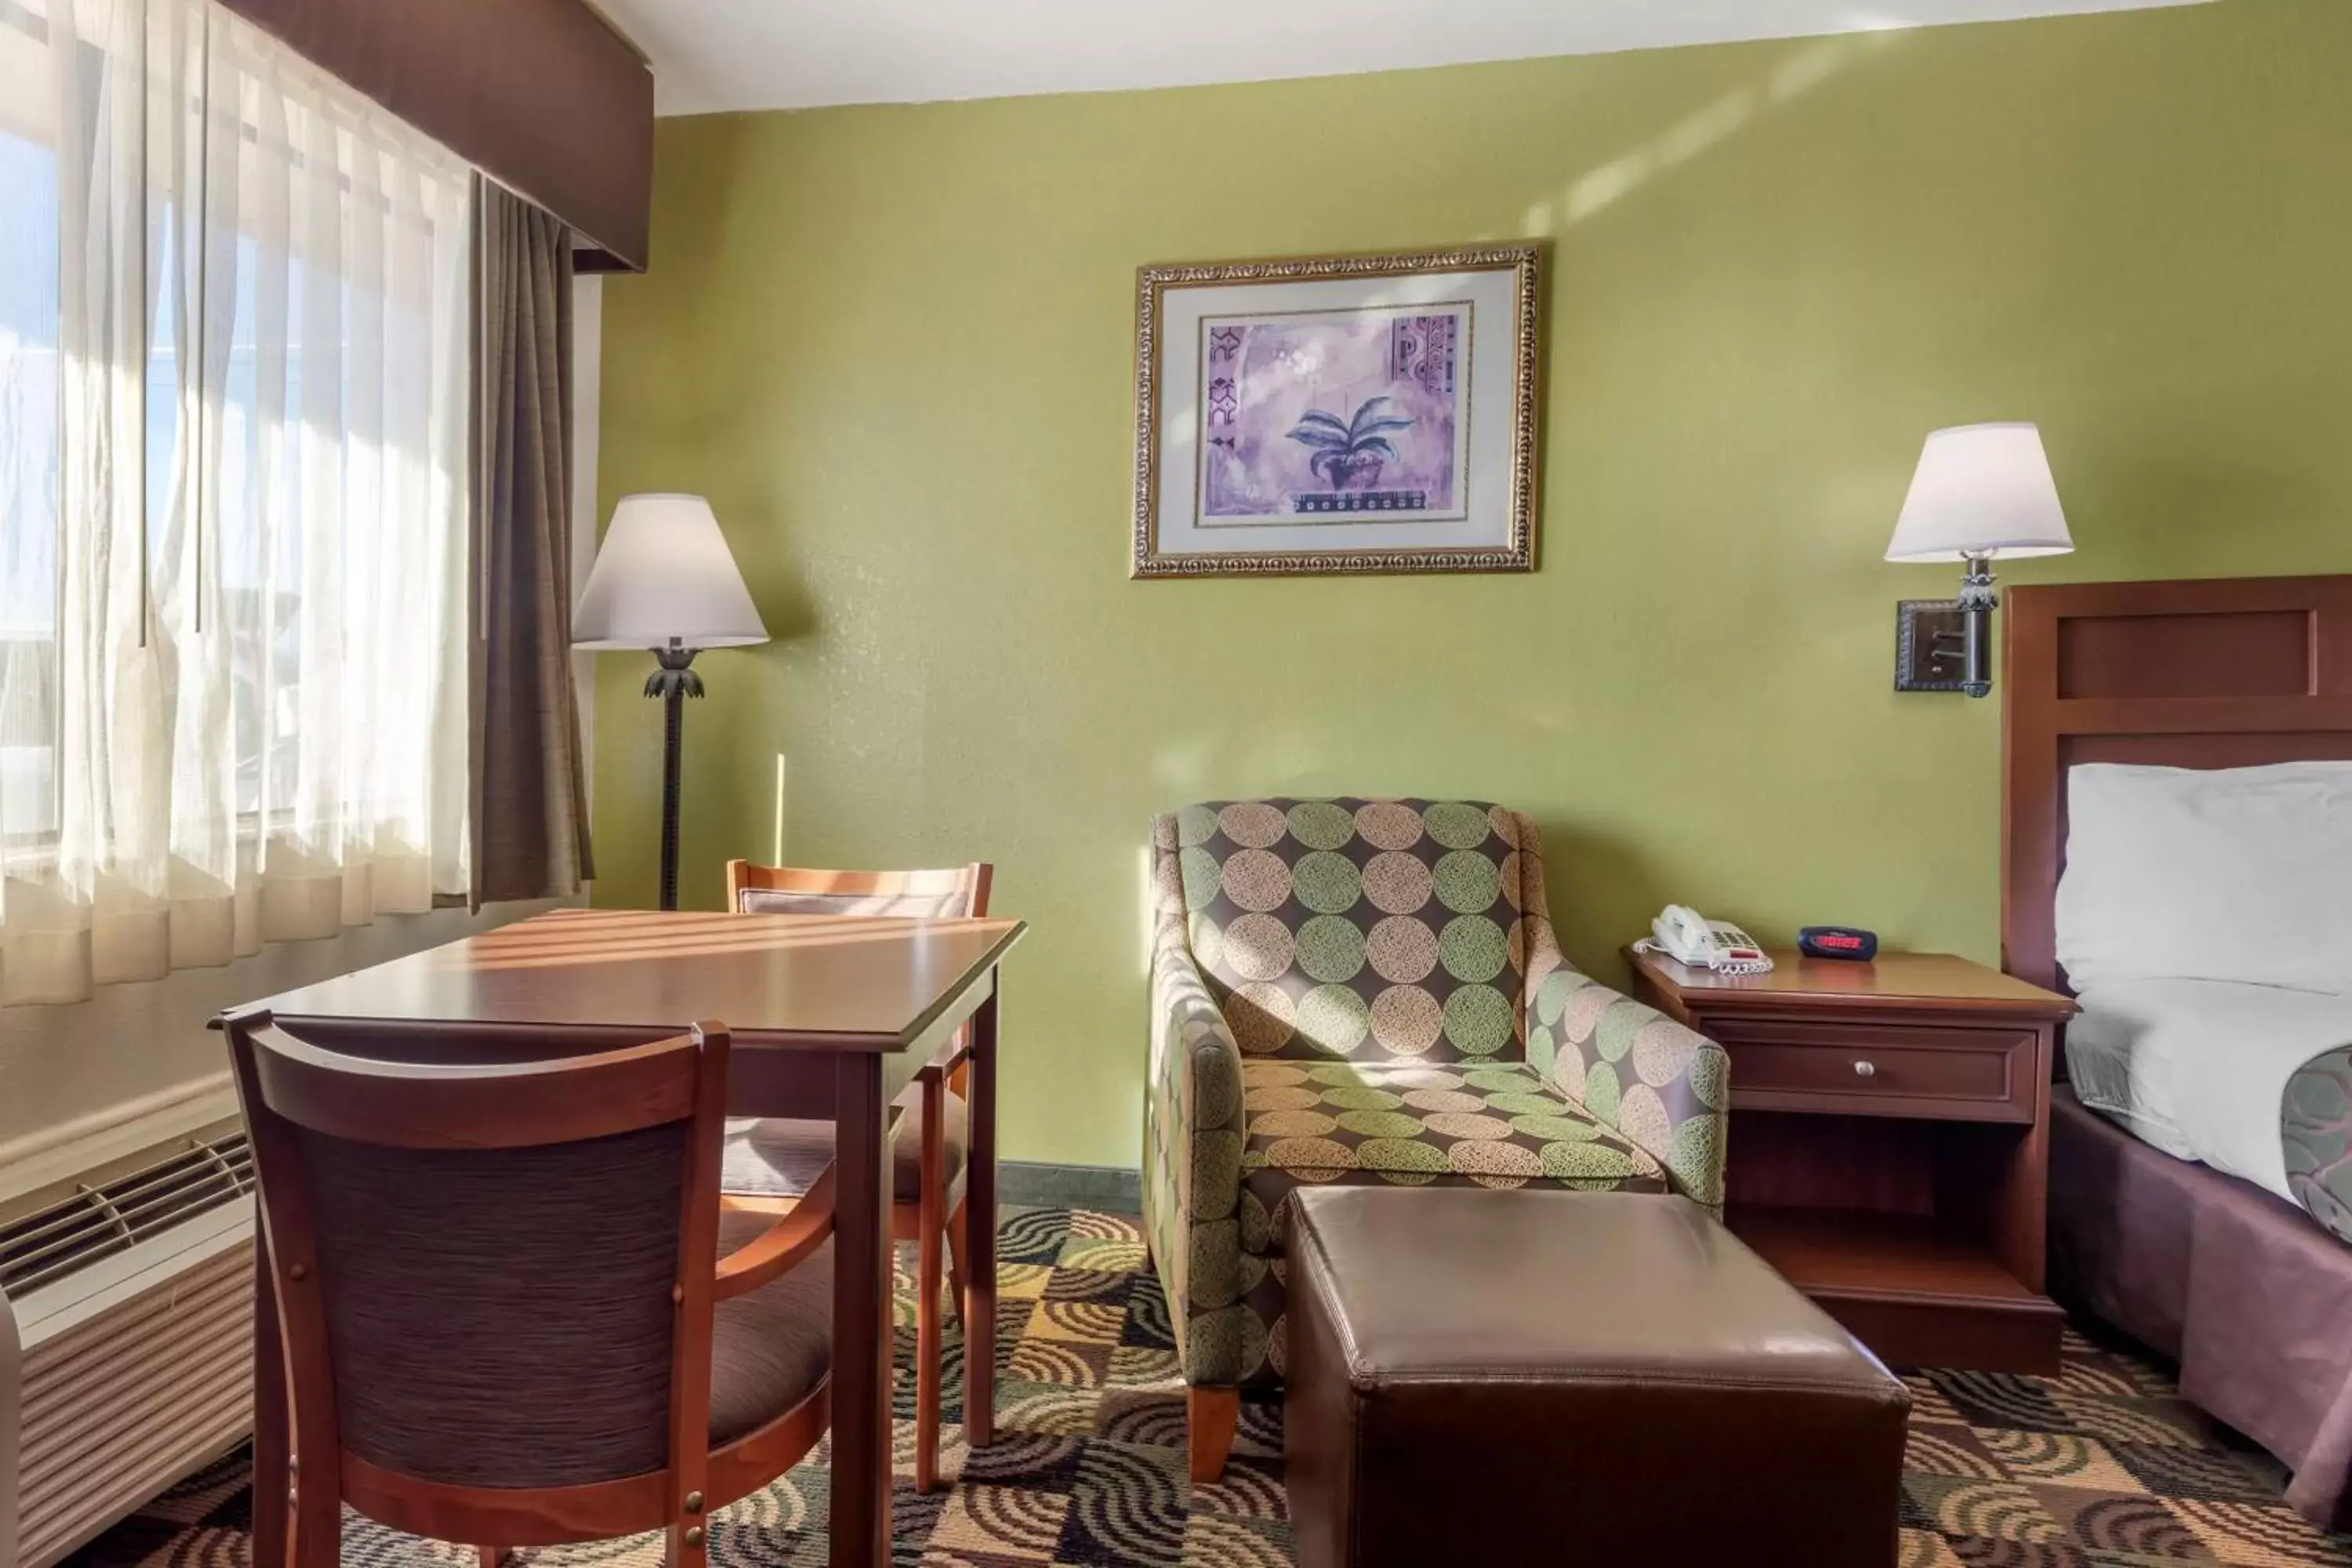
{"x": 29, "y": 437}
{"x": 233, "y": 382}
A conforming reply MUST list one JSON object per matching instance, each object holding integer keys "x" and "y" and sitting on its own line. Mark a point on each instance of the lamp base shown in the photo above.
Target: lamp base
{"x": 1931, "y": 646}
{"x": 1945, "y": 644}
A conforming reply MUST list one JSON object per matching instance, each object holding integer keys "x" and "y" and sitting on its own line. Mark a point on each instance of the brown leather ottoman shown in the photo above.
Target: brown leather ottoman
{"x": 1546, "y": 1377}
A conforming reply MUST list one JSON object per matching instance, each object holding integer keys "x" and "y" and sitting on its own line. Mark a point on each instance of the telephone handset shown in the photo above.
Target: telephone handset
{"x": 1688, "y": 937}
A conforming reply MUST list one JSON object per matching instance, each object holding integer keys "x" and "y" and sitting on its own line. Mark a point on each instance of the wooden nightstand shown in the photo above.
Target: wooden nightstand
{"x": 1889, "y": 1143}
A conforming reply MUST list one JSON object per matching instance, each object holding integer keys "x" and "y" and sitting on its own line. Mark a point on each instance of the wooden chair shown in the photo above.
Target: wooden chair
{"x": 776, "y": 1160}
{"x": 505, "y": 1310}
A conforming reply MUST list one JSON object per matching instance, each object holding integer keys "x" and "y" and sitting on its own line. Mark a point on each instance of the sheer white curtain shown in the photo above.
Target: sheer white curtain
{"x": 234, "y": 371}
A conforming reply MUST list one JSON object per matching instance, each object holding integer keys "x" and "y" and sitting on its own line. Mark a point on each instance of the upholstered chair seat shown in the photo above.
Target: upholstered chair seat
{"x": 1452, "y": 1124}
{"x": 1362, "y": 991}
{"x": 770, "y": 1347}
{"x": 776, "y": 1157}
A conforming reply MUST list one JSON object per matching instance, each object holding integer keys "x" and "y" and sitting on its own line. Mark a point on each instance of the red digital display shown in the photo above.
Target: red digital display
{"x": 1838, "y": 941}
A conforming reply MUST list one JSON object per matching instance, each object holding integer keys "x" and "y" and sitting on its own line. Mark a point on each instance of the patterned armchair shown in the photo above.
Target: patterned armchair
{"x": 1369, "y": 991}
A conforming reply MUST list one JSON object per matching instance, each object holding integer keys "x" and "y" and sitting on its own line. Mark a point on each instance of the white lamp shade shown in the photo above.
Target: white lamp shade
{"x": 665, "y": 574}
{"x": 1982, "y": 490}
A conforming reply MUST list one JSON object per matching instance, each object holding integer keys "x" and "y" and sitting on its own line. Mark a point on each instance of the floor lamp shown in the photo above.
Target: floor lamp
{"x": 664, "y": 580}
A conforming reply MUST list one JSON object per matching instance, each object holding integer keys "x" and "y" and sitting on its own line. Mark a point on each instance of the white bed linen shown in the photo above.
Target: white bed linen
{"x": 2196, "y": 1067}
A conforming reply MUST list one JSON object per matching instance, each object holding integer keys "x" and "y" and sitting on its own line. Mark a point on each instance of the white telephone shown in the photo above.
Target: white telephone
{"x": 1688, "y": 937}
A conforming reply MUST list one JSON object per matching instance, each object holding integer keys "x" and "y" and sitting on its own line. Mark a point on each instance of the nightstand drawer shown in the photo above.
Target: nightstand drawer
{"x": 1875, "y": 1069}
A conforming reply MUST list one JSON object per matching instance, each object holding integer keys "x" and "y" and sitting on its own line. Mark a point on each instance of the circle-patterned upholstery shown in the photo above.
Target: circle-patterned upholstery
{"x": 1492, "y": 1125}
{"x": 1487, "y": 1124}
{"x": 1371, "y": 991}
{"x": 1379, "y": 928}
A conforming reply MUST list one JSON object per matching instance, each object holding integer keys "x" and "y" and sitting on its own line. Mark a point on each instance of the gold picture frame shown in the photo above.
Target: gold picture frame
{"x": 1472, "y": 507}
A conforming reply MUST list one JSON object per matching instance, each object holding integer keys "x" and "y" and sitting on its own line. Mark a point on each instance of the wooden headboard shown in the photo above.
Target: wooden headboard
{"x": 2225, "y": 673}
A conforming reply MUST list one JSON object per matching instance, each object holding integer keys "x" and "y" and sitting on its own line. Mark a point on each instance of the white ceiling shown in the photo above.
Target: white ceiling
{"x": 713, "y": 55}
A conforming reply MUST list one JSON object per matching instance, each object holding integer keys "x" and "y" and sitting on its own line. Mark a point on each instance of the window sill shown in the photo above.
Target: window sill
{"x": 72, "y": 1071}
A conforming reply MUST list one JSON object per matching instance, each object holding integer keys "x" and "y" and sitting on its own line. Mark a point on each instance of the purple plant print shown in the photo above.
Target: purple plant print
{"x": 1334, "y": 416}
{"x": 1348, "y": 450}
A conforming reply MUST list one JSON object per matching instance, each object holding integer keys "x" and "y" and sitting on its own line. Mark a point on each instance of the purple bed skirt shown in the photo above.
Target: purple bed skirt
{"x": 2242, "y": 1288}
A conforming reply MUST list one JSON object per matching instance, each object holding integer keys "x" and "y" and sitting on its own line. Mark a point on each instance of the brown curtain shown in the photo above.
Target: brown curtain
{"x": 529, "y": 787}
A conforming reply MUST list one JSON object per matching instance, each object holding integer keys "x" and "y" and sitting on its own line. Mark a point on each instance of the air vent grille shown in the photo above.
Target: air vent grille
{"x": 108, "y": 1218}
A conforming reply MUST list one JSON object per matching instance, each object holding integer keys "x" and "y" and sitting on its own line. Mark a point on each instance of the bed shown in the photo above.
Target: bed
{"x": 2245, "y": 1289}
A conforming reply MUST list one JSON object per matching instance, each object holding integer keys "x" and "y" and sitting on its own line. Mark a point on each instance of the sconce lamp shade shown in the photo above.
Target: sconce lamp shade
{"x": 1980, "y": 490}
{"x": 663, "y": 575}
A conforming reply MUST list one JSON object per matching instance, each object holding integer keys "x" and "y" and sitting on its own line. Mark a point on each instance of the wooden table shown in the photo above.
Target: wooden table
{"x": 1890, "y": 1142}
{"x": 831, "y": 1018}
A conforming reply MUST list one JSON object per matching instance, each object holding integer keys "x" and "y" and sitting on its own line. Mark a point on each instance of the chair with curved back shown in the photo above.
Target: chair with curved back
{"x": 775, "y": 1159}
{"x": 1369, "y": 991}
{"x": 512, "y": 1309}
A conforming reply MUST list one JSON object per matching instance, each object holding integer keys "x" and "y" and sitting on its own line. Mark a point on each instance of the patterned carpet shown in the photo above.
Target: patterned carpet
{"x": 2102, "y": 1465}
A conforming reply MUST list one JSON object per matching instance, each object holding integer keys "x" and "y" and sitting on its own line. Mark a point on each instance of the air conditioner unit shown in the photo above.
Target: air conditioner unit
{"x": 132, "y": 1301}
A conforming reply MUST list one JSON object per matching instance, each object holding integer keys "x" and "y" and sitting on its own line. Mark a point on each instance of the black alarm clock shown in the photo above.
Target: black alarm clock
{"x": 1838, "y": 941}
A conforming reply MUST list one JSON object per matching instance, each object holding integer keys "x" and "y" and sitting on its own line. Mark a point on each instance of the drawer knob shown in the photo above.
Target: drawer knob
{"x": 1865, "y": 1070}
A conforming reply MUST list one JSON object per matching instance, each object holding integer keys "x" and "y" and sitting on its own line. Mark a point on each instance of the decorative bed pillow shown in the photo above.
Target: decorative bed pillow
{"x": 2241, "y": 874}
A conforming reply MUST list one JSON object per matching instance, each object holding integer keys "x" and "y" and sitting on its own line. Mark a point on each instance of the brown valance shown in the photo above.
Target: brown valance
{"x": 542, "y": 95}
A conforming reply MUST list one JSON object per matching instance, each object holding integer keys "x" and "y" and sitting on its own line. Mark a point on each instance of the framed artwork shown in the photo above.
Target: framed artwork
{"x": 1348, "y": 414}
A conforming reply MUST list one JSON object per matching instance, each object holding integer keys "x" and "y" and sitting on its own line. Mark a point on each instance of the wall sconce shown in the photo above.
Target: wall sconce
{"x": 1981, "y": 490}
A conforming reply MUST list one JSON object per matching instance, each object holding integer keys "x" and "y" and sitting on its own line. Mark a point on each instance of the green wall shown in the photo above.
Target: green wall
{"x": 895, "y": 347}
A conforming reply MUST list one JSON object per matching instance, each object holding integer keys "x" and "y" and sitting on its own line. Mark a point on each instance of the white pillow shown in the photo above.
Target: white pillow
{"x": 2241, "y": 874}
